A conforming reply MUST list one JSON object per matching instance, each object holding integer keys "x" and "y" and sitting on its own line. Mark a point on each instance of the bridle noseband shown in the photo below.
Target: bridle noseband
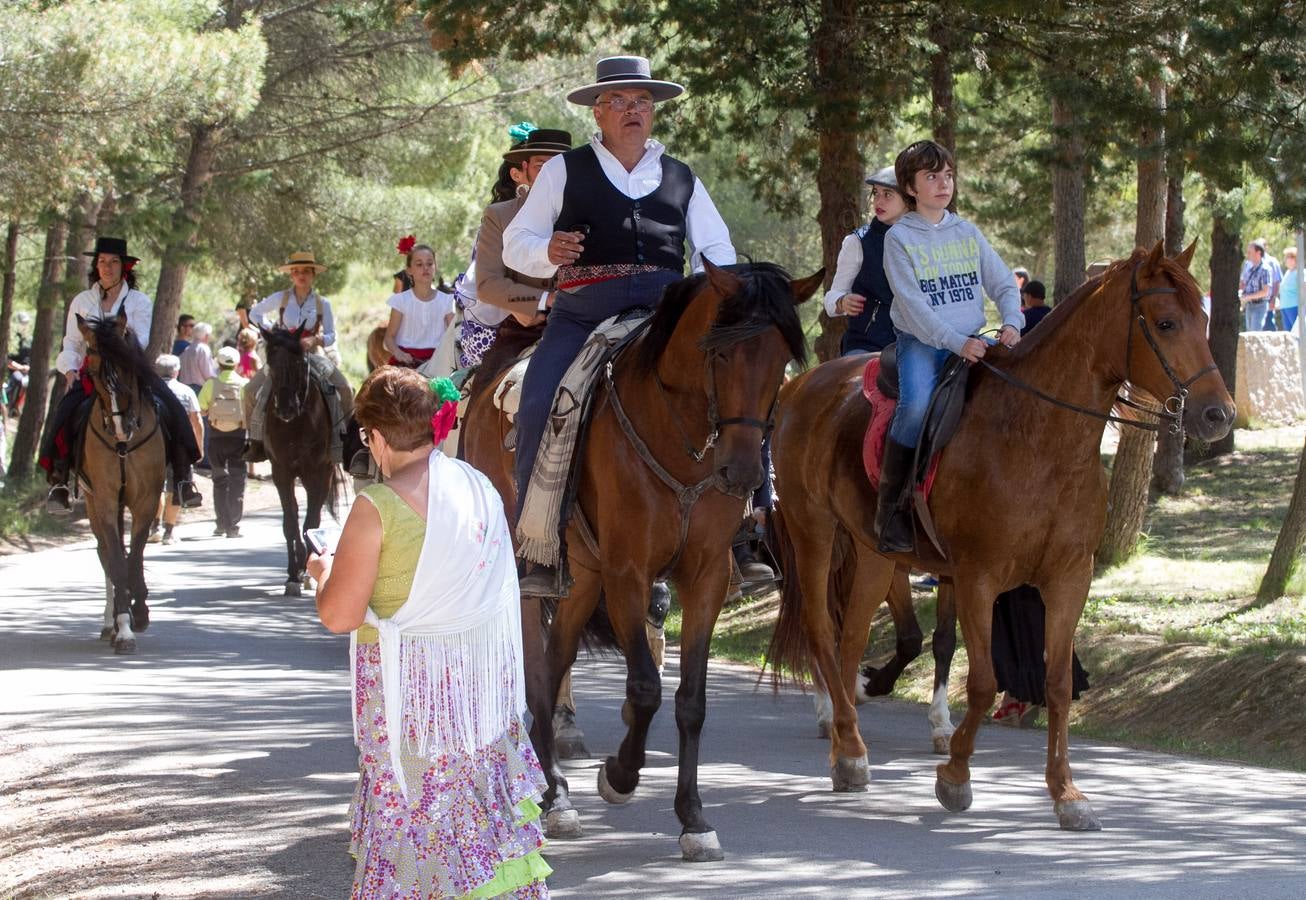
{"x": 1172, "y": 409}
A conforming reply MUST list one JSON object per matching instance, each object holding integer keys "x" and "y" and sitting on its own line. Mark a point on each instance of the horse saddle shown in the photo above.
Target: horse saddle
{"x": 942, "y": 418}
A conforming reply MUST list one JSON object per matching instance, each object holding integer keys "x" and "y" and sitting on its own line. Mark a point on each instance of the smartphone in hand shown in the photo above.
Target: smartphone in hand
{"x": 323, "y": 541}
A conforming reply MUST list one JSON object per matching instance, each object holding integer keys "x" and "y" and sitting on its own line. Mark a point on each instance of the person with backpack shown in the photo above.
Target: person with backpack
{"x": 220, "y": 400}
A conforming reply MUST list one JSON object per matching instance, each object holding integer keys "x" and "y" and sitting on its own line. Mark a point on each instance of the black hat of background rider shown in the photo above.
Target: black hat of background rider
{"x": 116, "y": 246}
{"x": 540, "y": 142}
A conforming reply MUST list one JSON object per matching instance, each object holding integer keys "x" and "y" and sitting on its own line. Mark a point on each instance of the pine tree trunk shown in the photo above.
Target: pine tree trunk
{"x": 1067, "y": 199}
{"x": 43, "y": 337}
{"x": 1175, "y": 205}
{"x": 7, "y": 290}
{"x": 1226, "y": 264}
{"x": 1287, "y": 549}
{"x": 179, "y": 252}
{"x": 943, "y": 116}
{"x": 82, "y": 227}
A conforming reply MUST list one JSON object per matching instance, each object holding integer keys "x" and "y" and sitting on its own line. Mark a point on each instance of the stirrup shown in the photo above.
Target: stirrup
{"x": 361, "y": 465}
{"x": 186, "y": 495}
{"x": 541, "y": 582}
{"x": 59, "y": 501}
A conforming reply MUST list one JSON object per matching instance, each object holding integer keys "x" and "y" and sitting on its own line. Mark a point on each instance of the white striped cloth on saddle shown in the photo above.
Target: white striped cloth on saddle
{"x": 539, "y": 530}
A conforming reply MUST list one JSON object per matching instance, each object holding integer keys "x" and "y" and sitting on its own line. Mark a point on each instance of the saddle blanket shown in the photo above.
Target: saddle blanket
{"x": 539, "y": 530}
{"x": 877, "y": 431}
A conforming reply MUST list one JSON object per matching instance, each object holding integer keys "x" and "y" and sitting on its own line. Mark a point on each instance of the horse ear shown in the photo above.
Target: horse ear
{"x": 83, "y": 327}
{"x": 120, "y": 321}
{"x": 1185, "y": 258}
{"x": 804, "y": 288}
{"x": 1154, "y": 258}
{"x": 725, "y": 283}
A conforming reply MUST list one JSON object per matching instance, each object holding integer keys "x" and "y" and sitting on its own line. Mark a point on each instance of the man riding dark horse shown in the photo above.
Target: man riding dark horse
{"x": 610, "y": 220}
{"x": 112, "y": 291}
{"x": 299, "y": 307}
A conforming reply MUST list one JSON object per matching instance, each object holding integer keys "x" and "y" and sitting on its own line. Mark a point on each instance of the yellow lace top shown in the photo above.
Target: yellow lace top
{"x": 402, "y": 533}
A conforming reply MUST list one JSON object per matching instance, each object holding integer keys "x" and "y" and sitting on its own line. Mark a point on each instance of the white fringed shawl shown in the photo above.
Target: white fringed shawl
{"x": 451, "y": 656}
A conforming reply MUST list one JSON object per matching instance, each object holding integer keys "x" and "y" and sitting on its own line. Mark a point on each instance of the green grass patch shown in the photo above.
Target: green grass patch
{"x": 22, "y": 513}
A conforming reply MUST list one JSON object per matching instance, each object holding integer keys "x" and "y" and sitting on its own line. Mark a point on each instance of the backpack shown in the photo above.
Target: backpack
{"x": 226, "y": 409}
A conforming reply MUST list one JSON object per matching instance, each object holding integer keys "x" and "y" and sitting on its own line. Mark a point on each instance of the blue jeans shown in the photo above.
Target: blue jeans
{"x": 919, "y": 367}
{"x": 1254, "y": 315}
{"x": 572, "y": 319}
{"x": 1289, "y": 317}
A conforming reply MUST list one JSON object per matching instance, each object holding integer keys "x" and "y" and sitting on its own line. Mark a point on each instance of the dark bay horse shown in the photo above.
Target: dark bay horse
{"x": 1020, "y": 495}
{"x": 688, "y": 404}
{"x": 298, "y": 441}
{"x": 123, "y": 461}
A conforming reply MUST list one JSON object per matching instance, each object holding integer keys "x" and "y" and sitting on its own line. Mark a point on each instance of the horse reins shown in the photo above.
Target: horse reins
{"x": 1179, "y": 398}
{"x": 121, "y": 432}
{"x": 715, "y": 423}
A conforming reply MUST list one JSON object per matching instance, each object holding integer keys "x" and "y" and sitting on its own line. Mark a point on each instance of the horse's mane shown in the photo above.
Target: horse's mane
{"x": 764, "y": 300}
{"x": 122, "y": 352}
{"x": 1187, "y": 294}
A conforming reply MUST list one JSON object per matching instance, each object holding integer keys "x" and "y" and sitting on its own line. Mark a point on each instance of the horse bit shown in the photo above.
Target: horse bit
{"x": 1172, "y": 409}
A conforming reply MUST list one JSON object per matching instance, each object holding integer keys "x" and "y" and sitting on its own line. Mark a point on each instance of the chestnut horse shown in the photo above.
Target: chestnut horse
{"x": 297, "y": 435}
{"x": 1019, "y": 498}
{"x": 123, "y": 462}
{"x": 687, "y": 404}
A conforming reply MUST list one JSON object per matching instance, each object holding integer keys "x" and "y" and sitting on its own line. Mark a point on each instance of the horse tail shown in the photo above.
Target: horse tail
{"x": 789, "y": 648}
{"x": 335, "y": 491}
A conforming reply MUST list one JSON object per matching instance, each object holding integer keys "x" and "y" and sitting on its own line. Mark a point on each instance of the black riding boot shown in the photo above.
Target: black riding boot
{"x": 59, "y": 501}
{"x": 893, "y": 519}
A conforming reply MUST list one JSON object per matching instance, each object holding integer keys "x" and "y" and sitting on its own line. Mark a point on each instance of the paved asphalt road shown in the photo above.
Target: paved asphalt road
{"x": 217, "y": 763}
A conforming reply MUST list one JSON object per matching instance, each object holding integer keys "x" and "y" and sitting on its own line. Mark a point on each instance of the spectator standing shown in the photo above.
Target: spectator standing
{"x": 1288, "y": 290}
{"x": 424, "y": 573}
{"x": 1033, "y": 303}
{"x": 1276, "y": 281}
{"x": 220, "y": 402}
{"x": 1256, "y": 288}
{"x": 197, "y": 367}
{"x": 246, "y": 344}
{"x": 1021, "y": 274}
{"x": 167, "y": 366}
{"x": 185, "y": 325}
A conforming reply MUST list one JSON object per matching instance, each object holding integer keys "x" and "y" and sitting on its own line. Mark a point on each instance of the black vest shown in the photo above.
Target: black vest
{"x": 649, "y": 230}
{"x": 871, "y": 329}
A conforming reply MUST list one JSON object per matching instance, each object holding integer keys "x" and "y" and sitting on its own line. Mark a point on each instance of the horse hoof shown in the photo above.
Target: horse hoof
{"x": 570, "y": 746}
{"x": 1076, "y": 815}
{"x": 823, "y": 729}
{"x": 106, "y": 633}
{"x": 943, "y": 744}
{"x": 608, "y": 792}
{"x": 124, "y": 647}
{"x": 140, "y": 617}
{"x": 293, "y": 589}
{"x": 703, "y": 847}
{"x": 953, "y": 797}
{"x": 562, "y": 824}
{"x": 850, "y": 774}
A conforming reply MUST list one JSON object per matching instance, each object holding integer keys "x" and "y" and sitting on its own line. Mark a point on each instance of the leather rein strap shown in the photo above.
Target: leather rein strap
{"x": 1172, "y": 409}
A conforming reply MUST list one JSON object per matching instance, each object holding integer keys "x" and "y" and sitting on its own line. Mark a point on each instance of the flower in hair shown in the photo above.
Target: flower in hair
{"x": 446, "y": 413}
{"x": 521, "y": 131}
{"x": 406, "y": 244}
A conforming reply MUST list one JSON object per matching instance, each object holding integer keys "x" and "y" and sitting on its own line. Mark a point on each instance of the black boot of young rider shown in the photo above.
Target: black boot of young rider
{"x": 893, "y": 520}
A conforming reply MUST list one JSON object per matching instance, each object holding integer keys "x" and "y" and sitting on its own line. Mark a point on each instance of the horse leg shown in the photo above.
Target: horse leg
{"x": 872, "y": 581}
{"x": 140, "y": 612}
{"x": 561, "y": 819}
{"x": 944, "y": 645}
{"x": 114, "y": 562}
{"x": 824, "y": 706}
{"x": 106, "y": 632}
{"x": 289, "y": 529}
{"x": 315, "y": 498}
{"x": 705, "y": 577}
{"x": 975, "y": 598}
{"x": 849, "y": 770}
{"x": 627, "y": 596}
{"x": 1063, "y": 605}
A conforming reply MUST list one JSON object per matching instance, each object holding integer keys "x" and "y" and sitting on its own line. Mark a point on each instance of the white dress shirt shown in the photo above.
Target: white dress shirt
{"x": 423, "y": 321}
{"x": 526, "y": 239}
{"x": 846, "y": 268}
{"x": 87, "y": 304}
{"x": 266, "y": 313}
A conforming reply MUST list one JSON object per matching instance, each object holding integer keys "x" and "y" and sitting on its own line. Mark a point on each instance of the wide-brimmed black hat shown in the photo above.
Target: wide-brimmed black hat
{"x": 116, "y": 246}
{"x": 617, "y": 72}
{"x": 540, "y": 142}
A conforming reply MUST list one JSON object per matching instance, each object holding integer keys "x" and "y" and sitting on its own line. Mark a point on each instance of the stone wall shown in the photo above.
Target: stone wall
{"x": 1269, "y": 380}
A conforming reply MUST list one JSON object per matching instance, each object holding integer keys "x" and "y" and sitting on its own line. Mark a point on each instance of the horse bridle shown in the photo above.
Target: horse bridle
{"x": 122, "y": 424}
{"x": 714, "y": 420}
{"x": 300, "y": 401}
{"x": 1172, "y": 409}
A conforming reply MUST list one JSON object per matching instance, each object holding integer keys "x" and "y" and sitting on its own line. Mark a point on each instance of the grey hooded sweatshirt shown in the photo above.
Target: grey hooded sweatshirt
{"x": 937, "y": 272}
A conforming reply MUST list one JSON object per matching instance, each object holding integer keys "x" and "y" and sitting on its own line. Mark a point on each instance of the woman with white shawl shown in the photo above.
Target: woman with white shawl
{"x": 424, "y": 576}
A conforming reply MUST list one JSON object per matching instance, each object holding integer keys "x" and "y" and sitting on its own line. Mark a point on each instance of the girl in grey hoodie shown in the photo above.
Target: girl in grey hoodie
{"x": 940, "y": 267}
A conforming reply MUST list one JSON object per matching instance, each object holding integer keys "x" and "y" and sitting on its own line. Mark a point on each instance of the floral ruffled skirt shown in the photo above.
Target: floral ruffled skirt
{"x": 471, "y": 826}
